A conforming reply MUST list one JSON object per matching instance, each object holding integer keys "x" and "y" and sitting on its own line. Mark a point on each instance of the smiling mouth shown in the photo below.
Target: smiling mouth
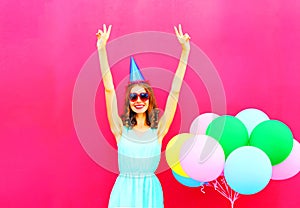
{"x": 138, "y": 106}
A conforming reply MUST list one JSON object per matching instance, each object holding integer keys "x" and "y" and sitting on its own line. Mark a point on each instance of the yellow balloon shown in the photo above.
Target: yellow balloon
{"x": 173, "y": 152}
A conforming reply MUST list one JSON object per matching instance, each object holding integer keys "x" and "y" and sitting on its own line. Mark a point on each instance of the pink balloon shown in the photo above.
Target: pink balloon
{"x": 290, "y": 166}
{"x": 202, "y": 158}
{"x": 200, "y": 124}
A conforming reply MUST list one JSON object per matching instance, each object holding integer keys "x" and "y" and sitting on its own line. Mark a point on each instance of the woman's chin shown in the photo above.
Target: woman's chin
{"x": 141, "y": 110}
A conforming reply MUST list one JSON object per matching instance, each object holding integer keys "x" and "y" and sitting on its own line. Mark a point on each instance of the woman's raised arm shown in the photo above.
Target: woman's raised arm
{"x": 171, "y": 105}
{"x": 114, "y": 119}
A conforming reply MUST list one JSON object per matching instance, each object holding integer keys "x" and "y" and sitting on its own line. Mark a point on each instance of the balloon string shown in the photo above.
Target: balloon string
{"x": 202, "y": 189}
{"x": 225, "y": 184}
{"x": 222, "y": 188}
{"x": 222, "y": 193}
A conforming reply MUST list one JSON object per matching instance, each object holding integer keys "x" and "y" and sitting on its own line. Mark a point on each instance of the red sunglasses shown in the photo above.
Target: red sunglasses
{"x": 144, "y": 96}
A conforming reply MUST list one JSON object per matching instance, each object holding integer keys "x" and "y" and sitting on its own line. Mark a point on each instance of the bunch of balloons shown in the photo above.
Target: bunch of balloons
{"x": 249, "y": 149}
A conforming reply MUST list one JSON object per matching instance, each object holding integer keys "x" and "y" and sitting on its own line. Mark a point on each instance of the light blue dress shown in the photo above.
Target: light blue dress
{"x": 138, "y": 158}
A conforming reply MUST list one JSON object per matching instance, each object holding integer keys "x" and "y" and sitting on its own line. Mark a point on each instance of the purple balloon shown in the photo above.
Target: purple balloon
{"x": 290, "y": 166}
{"x": 202, "y": 158}
{"x": 200, "y": 124}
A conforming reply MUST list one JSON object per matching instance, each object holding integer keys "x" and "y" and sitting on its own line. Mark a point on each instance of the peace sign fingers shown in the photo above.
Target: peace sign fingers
{"x": 103, "y": 35}
{"x": 183, "y": 39}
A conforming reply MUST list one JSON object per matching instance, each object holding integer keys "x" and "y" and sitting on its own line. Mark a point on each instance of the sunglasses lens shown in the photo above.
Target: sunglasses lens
{"x": 133, "y": 97}
{"x": 144, "y": 96}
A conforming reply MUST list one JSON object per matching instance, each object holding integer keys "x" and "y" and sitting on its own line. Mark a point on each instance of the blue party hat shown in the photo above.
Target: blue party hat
{"x": 135, "y": 73}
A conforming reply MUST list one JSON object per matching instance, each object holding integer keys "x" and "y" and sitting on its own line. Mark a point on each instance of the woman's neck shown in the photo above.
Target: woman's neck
{"x": 140, "y": 120}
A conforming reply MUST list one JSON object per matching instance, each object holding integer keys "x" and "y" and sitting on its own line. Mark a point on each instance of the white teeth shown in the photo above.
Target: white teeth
{"x": 139, "y": 106}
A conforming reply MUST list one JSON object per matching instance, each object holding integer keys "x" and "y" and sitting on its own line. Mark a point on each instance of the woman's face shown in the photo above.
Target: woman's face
{"x": 140, "y": 101}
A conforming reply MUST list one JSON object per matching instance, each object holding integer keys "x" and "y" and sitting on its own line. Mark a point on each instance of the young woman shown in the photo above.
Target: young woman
{"x": 139, "y": 132}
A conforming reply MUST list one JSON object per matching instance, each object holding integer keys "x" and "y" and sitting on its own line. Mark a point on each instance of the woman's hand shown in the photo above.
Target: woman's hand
{"x": 182, "y": 38}
{"x": 103, "y": 36}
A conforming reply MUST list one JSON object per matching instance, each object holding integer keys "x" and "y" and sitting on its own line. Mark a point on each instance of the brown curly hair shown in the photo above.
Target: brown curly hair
{"x": 152, "y": 112}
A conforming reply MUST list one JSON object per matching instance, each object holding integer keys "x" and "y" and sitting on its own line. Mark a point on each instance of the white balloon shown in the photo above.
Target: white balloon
{"x": 251, "y": 117}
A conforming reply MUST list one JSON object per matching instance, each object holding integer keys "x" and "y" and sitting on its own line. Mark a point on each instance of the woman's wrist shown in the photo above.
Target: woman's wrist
{"x": 101, "y": 48}
{"x": 185, "y": 50}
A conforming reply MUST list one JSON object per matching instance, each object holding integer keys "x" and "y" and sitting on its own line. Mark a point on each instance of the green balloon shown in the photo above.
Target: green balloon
{"x": 230, "y": 132}
{"x": 274, "y": 138}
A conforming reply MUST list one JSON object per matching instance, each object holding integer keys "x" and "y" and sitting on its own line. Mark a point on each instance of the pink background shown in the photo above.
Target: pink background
{"x": 254, "y": 46}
